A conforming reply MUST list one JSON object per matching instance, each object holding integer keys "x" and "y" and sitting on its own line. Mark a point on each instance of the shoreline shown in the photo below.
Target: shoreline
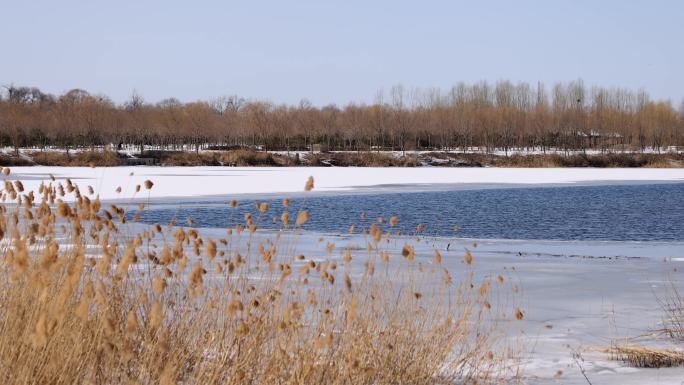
{"x": 257, "y": 157}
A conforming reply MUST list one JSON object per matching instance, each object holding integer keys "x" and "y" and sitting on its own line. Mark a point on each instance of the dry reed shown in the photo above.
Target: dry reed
{"x": 87, "y": 299}
{"x": 642, "y": 357}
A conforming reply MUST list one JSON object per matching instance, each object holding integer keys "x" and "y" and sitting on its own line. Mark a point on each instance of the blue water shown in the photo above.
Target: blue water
{"x": 623, "y": 213}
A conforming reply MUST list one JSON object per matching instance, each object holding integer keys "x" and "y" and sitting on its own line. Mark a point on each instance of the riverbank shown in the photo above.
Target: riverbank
{"x": 245, "y": 157}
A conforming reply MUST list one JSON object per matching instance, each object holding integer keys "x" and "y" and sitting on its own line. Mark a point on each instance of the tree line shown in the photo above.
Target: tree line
{"x": 487, "y": 116}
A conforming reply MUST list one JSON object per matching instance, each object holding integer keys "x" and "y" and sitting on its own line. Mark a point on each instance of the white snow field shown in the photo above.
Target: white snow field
{"x": 175, "y": 182}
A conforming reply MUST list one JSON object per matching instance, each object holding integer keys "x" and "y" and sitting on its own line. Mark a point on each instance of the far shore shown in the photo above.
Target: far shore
{"x": 110, "y": 156}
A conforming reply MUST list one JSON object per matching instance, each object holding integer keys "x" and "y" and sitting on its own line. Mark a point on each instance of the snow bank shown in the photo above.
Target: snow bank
{"x": 172, "y": 182}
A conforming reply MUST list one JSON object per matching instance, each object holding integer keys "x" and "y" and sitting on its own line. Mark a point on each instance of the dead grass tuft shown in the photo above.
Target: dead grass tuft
{"x": 81, "y": 159}
{"x": 558, "y": 160}
{"x": 642, "y": 357}
{"x": 239, "y": 157}
{"x": 360, "y": 159}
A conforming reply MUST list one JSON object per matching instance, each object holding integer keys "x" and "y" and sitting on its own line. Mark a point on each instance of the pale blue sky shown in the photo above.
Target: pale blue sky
{"x": 336, "y": 51}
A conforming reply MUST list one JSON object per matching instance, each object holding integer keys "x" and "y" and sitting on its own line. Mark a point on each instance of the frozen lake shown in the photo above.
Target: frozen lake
{"x": 591, "y": 260}
{"x": 639, "y": 212}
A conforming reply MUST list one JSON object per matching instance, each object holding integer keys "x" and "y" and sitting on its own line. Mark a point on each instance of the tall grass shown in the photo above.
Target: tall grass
{"x": 86, "y": 298}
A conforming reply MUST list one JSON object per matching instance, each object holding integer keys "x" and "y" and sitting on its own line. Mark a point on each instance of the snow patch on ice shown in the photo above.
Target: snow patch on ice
{"x": 176, "y": 182}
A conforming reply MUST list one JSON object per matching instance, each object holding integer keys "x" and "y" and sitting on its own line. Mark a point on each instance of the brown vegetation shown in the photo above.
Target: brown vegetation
{"x": 569, "y": 117}
{"x": 87, "y": 299}
{"x": 82, "y": 159}
{"x": 241, "y": 157}
{"x": 13, "y": 160}
{"x": 642, "y": 357}
{"x": 249, "y": 157}
{"x": 360, "y": 159}
{"x": 558, "y": 160}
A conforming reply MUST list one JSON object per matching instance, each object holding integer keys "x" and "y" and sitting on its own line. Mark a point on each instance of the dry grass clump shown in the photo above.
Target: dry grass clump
{"x": 104, "y": 158}
{"x": 558, "y": 160}
{"x": 664, "y": 160}
{"x": 87, "y": 299}
{"x": 249, "y": 157}
{"x": 238, "y": 157}
{"x": 642, "y": 357}
{"x": 12, "y": 160}
{"x": 611, "y": 160}
{"x": 183, "y": 158}
{"x": 360, "y": 159}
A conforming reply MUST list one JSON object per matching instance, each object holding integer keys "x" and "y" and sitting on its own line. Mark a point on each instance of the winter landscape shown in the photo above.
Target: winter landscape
{"x": 369, "y": 202}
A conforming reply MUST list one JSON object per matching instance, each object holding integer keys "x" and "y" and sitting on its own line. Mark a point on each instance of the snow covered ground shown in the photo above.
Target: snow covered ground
{"x": 175, "y": 182}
